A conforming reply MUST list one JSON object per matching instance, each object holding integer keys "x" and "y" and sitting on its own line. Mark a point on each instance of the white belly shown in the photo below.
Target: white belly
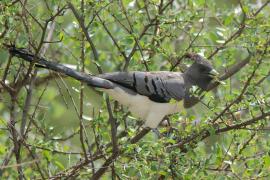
{"x": 142, "y": 107}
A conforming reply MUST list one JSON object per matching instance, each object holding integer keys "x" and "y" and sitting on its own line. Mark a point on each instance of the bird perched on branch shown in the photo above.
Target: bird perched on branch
{"x": 149, "y": 95}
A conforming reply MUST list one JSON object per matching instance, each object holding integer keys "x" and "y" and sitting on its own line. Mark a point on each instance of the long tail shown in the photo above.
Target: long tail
{"x": 89, "y": 79}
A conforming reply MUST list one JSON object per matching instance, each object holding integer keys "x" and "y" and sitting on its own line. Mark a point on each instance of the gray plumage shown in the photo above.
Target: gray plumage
{"x": 41, "y": 62}
{"x": 158, "y": 86}
{"x": 162, "y": 86}
{"x": 146, "y": 94}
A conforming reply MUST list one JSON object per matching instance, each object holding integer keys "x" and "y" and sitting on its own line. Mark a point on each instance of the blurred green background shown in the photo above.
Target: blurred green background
{"x": 156, "y": 33}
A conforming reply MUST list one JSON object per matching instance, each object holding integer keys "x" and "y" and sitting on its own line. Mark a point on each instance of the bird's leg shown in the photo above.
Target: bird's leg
{"x": 156, "y": 131}
{"x": 153, "y": 120}
{"x": 169, "y": 128}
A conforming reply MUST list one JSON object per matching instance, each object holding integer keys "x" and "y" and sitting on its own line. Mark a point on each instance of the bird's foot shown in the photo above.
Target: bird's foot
{"x": 156, "y": 131}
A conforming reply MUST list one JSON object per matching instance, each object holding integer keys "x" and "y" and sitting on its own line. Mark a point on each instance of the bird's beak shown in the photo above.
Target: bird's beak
{"x": 213, "y": 73}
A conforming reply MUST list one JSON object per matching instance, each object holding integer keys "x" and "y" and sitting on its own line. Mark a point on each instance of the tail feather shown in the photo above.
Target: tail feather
{"x": 89, "y": 79}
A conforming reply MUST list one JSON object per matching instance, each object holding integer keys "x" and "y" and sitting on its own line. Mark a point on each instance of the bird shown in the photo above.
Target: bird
{"x": 149, "y": 96}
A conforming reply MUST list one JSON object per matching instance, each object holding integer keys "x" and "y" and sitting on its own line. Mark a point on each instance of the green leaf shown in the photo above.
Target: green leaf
{"x": 266, "y": 161}
{"x": 59, "y": 165}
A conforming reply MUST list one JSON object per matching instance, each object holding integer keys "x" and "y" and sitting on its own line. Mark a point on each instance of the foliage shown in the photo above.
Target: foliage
{"x": 52, "y": 126}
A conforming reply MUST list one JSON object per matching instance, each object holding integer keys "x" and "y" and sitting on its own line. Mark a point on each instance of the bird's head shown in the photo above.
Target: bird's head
{"x": 201, "y": 72}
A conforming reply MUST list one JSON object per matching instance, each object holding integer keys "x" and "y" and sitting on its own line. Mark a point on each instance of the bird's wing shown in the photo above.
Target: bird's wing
{"x": 158, "y": 86}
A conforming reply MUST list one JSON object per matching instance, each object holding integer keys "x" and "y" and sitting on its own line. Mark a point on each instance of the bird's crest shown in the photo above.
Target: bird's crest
{"x": 197, "y": 58}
